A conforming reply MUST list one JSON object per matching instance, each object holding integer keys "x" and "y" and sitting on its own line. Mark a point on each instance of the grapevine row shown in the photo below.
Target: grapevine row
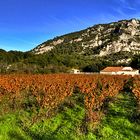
{"x": 51, "y": 90}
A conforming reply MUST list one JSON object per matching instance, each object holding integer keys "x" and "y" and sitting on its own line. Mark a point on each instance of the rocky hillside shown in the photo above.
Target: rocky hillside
{"x": 99, "y": 40}
{"x": 90, "y": 50}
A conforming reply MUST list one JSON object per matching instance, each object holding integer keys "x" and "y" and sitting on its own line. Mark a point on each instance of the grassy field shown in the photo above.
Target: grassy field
{"x": 120, "y": 121}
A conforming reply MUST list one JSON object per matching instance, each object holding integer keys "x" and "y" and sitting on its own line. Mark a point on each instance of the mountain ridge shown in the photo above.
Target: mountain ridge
{"x": 100, "y": 39}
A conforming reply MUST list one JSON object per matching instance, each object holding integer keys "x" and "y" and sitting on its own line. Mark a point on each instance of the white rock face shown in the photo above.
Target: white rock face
{"x": 110, "y": 38}
{"x": 96, "y": 38}
{"x": 78, "y": 40}
{"x": 44, "y": 49}
{"x": 99, "y": 42}
{"x": 100, "y": 28}
{"x": 124, "y": 60}
{"x": 129, "y": 34}
{"x": 59, "y": 41}
{"x": 134, "y": 22}
{"x": 124, "y": 36}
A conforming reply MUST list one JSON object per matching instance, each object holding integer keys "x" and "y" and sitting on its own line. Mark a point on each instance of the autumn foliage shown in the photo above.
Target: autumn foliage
{"x": 136, "y": 87}
{"x": 51, "y": 90}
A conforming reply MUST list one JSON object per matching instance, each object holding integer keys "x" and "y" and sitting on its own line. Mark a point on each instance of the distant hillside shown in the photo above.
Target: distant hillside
{"x": 99, "y": 40}
{"x": 90, "y": 50}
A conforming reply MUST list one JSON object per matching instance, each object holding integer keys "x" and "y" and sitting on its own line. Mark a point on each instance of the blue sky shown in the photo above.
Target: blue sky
{"x": 26, "y": 23}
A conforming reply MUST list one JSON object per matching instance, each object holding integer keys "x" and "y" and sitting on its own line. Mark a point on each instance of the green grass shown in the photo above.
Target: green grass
{"x": 65, "y": 125}
{"x": 9, "y": 129}
{"x": 119, "y": 122}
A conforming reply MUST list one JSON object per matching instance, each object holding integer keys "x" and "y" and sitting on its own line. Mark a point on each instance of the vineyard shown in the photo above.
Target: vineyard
{"x": 50, "y": 92}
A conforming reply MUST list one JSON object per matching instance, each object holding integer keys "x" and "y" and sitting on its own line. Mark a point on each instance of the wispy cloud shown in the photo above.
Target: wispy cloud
{"x": 131, "y": 8}
{"x": 125, "y": 9}
{"x": 120, "y": 12}
{"x": 123, "y": 1}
